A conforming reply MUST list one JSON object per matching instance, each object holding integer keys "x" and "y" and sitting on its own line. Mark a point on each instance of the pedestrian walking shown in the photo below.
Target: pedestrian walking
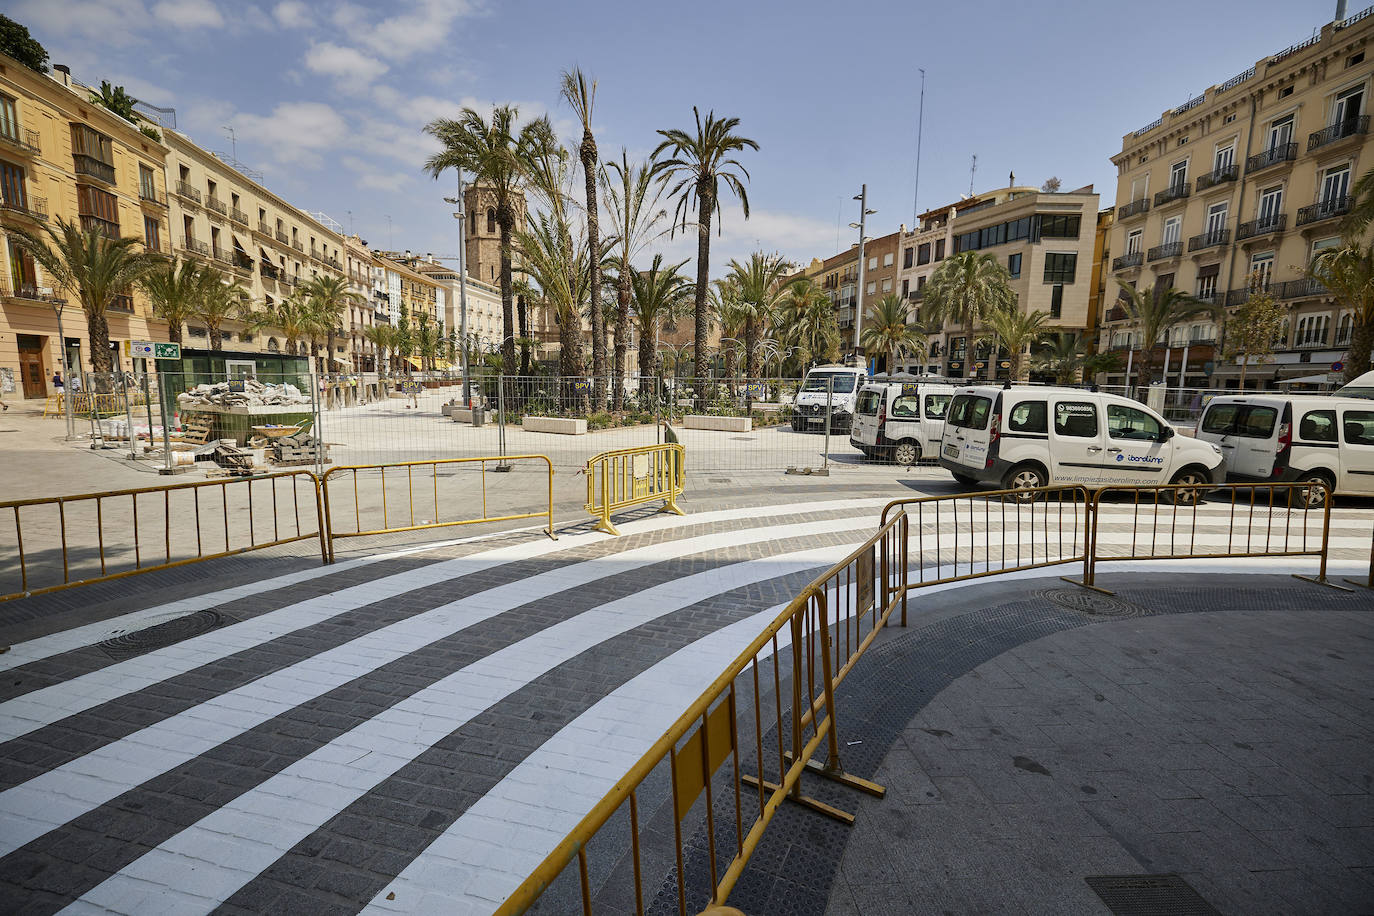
{"x": 57, "y": 381}
{"x": 76, "y": 384}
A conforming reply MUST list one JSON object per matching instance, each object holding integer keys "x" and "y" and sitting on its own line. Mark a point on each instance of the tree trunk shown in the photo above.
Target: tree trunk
{"x": 706, "y": 206}
{"x": 329, "y": 352}
{"x": 587, "y": 152}
{"x": 569, "y": 361}
{"x": 622, "y": 335}
{"x": 505, "y": 219}
{"x": 174, "y": 331}
{"x": 216, "y": 337}
{"x": 98, "y": 330}
{"x": 1357, "y": 357}
{"x": 647, "y": 352}
{"x": 751, "y": 356}
{"x": 522, "y": 312}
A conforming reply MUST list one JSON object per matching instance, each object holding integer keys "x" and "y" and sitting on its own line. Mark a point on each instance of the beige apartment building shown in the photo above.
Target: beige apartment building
{"x": 227, "y": 219}
{"x": 1247, "y": 180}
{"x": 838, "y": 275}
{"x": 1044, "y": 239}
{"x": 63, "y": 157}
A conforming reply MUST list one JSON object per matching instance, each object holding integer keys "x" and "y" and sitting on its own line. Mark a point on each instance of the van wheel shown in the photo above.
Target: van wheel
{"x": 1196, "y": 484}
{"x": 1311, "y": 496}
{"x": 1026, "y": 480}
{"x": 965, "y": 479}
{"x": 906, "y": 453}
{"x": 796, "y": 425}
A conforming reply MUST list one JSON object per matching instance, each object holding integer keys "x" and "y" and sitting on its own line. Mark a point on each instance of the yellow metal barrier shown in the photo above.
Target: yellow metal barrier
{"x": 85, "y": 402}
{"x": 94, "y": 529}
{"x": 431, "y": 498}
{"x": 631, "y": 477}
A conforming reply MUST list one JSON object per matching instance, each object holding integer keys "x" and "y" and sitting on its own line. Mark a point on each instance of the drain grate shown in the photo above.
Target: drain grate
{"x": 1093, "y": 603}
{"x": 1150, "y": 895}
{"x": 164, "y": 634}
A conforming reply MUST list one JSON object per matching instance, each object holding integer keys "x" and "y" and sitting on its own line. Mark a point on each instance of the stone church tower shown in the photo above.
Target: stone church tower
{"x": 484, "y": 235}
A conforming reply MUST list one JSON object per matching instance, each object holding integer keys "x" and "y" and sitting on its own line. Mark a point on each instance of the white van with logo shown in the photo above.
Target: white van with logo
{"x": 1361, "y": 387}
{"x": 1027, "y": 437}
{"x": 901, "y": 419}
{"x": 1303, "y": 438}
{"x": 837, "y": 386}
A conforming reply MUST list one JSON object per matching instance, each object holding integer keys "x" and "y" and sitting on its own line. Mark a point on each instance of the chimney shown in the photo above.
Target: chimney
{"x": 407, "y": 254}
{"x": 66, "y": 78}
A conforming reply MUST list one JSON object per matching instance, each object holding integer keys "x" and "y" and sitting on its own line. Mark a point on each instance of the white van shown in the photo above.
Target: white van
{"x": 1026, "y": 437}
{"x": 1361, "y": 387}
{"x": 1304, "y": 438}
{"x": 839, "y": 385}
{"x": 901, "y": 419}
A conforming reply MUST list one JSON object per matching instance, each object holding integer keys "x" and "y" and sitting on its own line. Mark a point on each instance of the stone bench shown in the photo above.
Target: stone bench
{"x": 566, "y": 426}
{"x": 721, "y": 424}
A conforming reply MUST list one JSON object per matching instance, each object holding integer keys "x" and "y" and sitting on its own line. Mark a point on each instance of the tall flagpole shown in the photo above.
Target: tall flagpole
{"x": 920, "y": 123}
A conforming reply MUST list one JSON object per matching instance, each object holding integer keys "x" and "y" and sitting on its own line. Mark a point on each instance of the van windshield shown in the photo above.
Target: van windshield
{"x": 1252, "y": 421}
{"x": 844, "y": 382}
{"x": 969, "y": 411}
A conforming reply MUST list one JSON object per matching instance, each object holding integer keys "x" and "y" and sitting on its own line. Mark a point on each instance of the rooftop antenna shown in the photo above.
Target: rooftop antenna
{"x": 972, "y": 169}
{"x": 350, "y": 221}
{"x": 389, "y": 245}
{"x": 233, "y": 144}
{"x": 920, "y": 122}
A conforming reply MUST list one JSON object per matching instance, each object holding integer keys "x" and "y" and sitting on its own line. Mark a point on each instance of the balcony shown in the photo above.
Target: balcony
{"x": 1171, "y": 194}
{"x": 1330, "y": 208}
{"x": 16, "y": 138}
{"x": 1265, "y": 225}
{"x": 281, "y": 236}
{"x": 1350, "y": 127}
{"x": 298, "y": 246}
{"x": 269, "y": 272}
{"x": 1303, "y": 288}
{"x": 916, "y": 295}
{"x": 1218, "y": 176}
{"x": 330, "y": 262}
{"x": 35, "y": 208}
{"x": 152, "y": 196}
{"x": 195, "y": 247}
{"x": 238, "y": 216}
{"x": 315, "y": 253}
{"x": 1209, "y": 239}
{"x": 1237, "y": 296}
{"x": 93, "y": 168}
{"x": 1283, "y": 152}
{"x": 1310, "y": 342}
{"x": 92, "y": 223}
{"x": 122, "y": 304}
{"x": 219, "y": 206}
{"x": 221, "y": 254}
{"x": 1127, "y": 261}
{"x": 27, "y": 291}
{"x": 241, "y": 266}
{"x": 1167, "y": 250}
{"x": 1134, "y": 208}
{"x": 186, "y": 192}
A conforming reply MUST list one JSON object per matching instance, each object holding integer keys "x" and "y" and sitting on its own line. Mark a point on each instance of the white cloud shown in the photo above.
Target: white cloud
{"x": 391, "y": 181}
{"x": 349, "y": 67}
{"x": 295, "y": 132}
{"x": 423, "y": 28}
{"x": 292, "y": 14}
{"x": 797, "y": 238}
{"x": 189, "y": 14}
{"x": 107, "y": 21}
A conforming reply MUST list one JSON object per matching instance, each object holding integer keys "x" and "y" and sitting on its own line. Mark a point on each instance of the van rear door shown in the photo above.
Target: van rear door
{"x": 1247, "y": 434}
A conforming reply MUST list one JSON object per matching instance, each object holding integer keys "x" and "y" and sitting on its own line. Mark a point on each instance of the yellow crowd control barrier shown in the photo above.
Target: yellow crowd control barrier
{"x": 408, "y": 478}
{"x": 64, "y": 541}
{"x": 628, "y": 477}
{"x": 85, "y": 403}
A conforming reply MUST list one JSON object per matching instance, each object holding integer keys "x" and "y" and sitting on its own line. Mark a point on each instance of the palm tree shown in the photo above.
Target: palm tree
{"x": 1015, "y": 331}
{"x": 660, "y": 293}
{"x": 218, "y": 302}
{"x": 556, "y": 263}
{"x": 1064, "y": 356}
{"x": 330, "y": 299}
{"x": 292, "y": 316}
{"x": 496, "y": 156}
{"x": 965, "y": 289}
{"x": 172, "y": 289}
{"x": 1154, "y": 313}
{"x": 807, "y": 322}
{"x": 887, "y": 331}
{"x": 581, "y": 96}
{"x": 732, "y": 314}
{"x": 1347, "y": 272}
{"x": 633, "y": 198}
{"x": 93, "y": 268}
{"x": 378, "y": 335}
{"x": 428, "y": 340}
{"x": 759, "y": 286}
{"x": 115, "y": 99}
{"x": 701, "y": 161}
{"x": 1362, "y": 213}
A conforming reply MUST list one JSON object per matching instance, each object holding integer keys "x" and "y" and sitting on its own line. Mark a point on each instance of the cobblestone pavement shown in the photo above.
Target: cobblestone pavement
{"x": 409, "y": 730}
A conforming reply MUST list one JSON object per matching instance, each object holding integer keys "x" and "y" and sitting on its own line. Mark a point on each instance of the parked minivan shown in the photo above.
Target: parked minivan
{"x": 1303, "y": 438}
{"x": 1027, "y": 437}
{"x": 901, "y": 419}
{"x": 836, "y": 385}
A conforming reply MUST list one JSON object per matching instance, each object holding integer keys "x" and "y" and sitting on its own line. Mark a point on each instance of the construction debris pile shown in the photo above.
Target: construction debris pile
{"x": 254, "y": 394}
{"x": 292, "y": 451}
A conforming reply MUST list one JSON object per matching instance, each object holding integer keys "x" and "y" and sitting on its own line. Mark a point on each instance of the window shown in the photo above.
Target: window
{"x": 887, "y": 284}
{"x": 1225, "y": 157}
{"x": 1134, "y": 240}
{"x": 1019, "y": 229}
{"x": 98, "y": 209}
{"x": 1014, "y": 265}
{"x": 887, "y": 259}
{"x": 1312, "y": 330}
{"x": 1140, "y": 187}
{"x": 868, "y": 403}
{"x": 1281, "y": 131}
{"x": 937, "y": 405}
{"x": 1060, "y": 267}
{"x": 1285, "y": 92}
{"x": 1248, "y": 420}
{"x": 1075, "y": 418}
{"x": 1347, "y": 106}
{"x": 1355, "y": 60}
{"x": 939, "y": 249}
{"x": 1345, "y": 327}
{"x": 906, "y": 406}
{"x": 1270, "y": 206}
{"x": 9, "y": 118}
{"x": 1060, "y": 226}
{"x": 906, "y": 288}
{"x": 923, "y": 254}
{"x": 12, "y": 186}
{"x": 1178, "y": 174}
{"x": 1132, "y": 424}
{"x": 1358, "y": 427}
{"x": 491, "y": 221}
{"x": 1057, "y": 300}
{"x": 152, "y": 233}
{"x": 1173, "y": 230}
{"x": 906, "y": 258}
{"x": 1318, "y": 426}
{"x": 1207, "y": 288}
{"x": 1216, "y": 220}
{"x": 873, "y": 263}
{"x": 969, "y": 411}
{"x": 1029, "y": 417}
{"x": 872, "y": 289}
{"x": 87, "y": 141}
{"x": 1262, "y": 268}
{"x": 1335, "y": 185}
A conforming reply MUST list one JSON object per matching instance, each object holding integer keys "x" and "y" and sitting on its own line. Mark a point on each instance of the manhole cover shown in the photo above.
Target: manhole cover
{"x": 164, "y": 634}
{"x": 1150, "y": 895}
{"x": 1095, "y": 603}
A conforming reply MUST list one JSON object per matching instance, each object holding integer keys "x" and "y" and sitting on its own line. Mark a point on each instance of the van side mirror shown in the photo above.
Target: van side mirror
{"x": 1169, "y": 433}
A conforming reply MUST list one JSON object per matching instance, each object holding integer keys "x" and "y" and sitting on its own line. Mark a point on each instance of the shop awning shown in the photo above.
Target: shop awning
{"x": 442, "y": 364}
{"x": 1307, "y": 380}
{"x": 414, "y": 363}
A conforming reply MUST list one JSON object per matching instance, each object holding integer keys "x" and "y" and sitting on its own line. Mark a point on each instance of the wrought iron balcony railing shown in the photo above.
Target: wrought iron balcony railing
{"x": 1209, "y": 239}
{"x": 187, "y": 192}
{"x": 1126, "y": 261}
{"x": 1281, "y": 152}
{"x": 1350, "y": 127}
{"x": 32, "y": 207}
{"x": 219, "y": 206}
{"x": 238, "y": 216}
{"x": 195, "y": 247}
{"x": 1264, "y": 225}
{"x": 25, "y": 141}
{"x": 1325, "y": 209}
{"x": 93, "y": 167}
{"x": 1167, "y": 250}
{"x": 1218, "y": 176}
{"x": 1171, "y": 193}
{"x": 1134, "y": 208}
{"x": 151, "y": 195}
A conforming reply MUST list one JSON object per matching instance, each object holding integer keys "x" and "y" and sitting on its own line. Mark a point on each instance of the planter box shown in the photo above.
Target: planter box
{"x": 721, "y": 424}
{"x": 562, "y": 425}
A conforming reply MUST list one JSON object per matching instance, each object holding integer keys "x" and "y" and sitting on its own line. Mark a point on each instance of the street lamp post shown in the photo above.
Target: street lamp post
{"x": 57, "y": 306}
{"x": 864, "y": 213}
{"x": 461, "y": 216}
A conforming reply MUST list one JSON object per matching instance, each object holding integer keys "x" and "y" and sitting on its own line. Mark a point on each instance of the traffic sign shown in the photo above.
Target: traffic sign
{"x": 166, "y": 351}
{"x": 141, "y": 348}
{"x": 1337, "y": 366}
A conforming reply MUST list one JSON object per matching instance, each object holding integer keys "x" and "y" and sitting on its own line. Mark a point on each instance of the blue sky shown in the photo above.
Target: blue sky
{"x": 327, "y": 99}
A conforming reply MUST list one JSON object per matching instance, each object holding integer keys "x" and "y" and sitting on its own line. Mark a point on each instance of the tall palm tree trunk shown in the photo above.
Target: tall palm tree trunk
{"x": 98, "y": 329}
{"x": 622, "y": 335}
{"x": 706, "y": 205}
{"x": 587, "y": 152}
{"x": 522, "y": 313}
{"x": 1357, "y": 357}
{"x": 751, "y": 339}
{"x": 505, "y": 219}
{"x": 216, "y": 337}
